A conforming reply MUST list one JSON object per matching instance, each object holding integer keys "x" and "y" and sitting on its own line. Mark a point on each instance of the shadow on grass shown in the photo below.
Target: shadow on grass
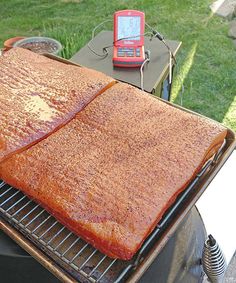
{"x": 204, "y": 93}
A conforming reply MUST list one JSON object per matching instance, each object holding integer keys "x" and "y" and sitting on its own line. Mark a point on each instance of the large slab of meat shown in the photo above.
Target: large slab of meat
{"x": 38, "y": 95}
{"x": 112, "y": 171}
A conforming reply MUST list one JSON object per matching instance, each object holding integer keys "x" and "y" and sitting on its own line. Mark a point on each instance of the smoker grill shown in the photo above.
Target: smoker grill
{"x": 69, "y": 257}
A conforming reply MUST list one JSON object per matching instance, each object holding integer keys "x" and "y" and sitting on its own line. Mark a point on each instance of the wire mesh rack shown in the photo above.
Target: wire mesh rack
{"x": 54, "y": 238}
{"x": 82, "y": 261}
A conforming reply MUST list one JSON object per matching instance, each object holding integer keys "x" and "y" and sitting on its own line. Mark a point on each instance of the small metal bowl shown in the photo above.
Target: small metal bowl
{"x": 40, "y": 45}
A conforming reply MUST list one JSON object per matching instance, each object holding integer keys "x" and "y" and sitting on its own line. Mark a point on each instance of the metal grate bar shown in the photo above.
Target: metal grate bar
{"x": 106, "y": 270}
{"x": 87, "y": 260}
{"x": 98, "y": 264}
{"x": 14, "y": 204}
{"x": 41, "y": 224}
{"x": 62, "y": 241}
{"x": 35, "y": 217}
{"x": 27, "y": 214}
{"x": 1, "y": 195}
{"x": 63, "y": 228}
{"x": 47, "y": 230}
{"x": 79, "y": 252}
{"x": 70, "y": 247}
{"x": 2, "y": 184}
{"x": 21, "y": 208}
{"x": 5, "y": 201}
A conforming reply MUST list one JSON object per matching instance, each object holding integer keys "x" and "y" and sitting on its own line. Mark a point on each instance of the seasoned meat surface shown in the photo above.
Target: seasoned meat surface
{"x": 113, "y": 170}
{"x": 38, "y": 95}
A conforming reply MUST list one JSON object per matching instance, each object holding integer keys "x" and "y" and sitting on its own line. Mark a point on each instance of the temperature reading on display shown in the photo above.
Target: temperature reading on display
{"x": 128, "y": 27}
{"x": 128, "y": 35}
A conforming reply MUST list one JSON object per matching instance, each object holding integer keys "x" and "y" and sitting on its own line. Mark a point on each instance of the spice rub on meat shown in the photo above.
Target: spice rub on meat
{"x": 38, "y": 95}
{"x": 110, "y": 173}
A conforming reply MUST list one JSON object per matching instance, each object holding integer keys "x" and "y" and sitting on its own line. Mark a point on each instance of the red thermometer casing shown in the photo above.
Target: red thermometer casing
{"x": 129, "y": 26}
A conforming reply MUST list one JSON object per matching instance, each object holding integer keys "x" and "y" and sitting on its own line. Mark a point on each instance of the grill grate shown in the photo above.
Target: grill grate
{"x": 70, "y": 252}
{"x": 42, "y": 228}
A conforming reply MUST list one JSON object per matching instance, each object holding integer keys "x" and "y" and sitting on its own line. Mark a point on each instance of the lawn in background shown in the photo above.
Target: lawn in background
{"x": 206, "y": 63}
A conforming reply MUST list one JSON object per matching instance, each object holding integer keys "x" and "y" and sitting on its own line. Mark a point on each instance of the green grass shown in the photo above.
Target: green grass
{"x": 207, "y": 61}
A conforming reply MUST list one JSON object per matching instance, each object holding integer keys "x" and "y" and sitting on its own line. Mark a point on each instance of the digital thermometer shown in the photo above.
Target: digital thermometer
{"x": 128, "y": 48}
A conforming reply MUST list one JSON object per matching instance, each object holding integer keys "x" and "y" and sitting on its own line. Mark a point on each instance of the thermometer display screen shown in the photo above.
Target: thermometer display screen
{"x": 128, "y": 27}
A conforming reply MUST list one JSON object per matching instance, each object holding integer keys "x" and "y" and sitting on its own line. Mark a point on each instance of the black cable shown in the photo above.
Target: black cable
{"x": 172, "y": 55}
{"x": 158, "y": 35}
{"x": 104, "y": 50}
{"x": 154, "y": 33}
